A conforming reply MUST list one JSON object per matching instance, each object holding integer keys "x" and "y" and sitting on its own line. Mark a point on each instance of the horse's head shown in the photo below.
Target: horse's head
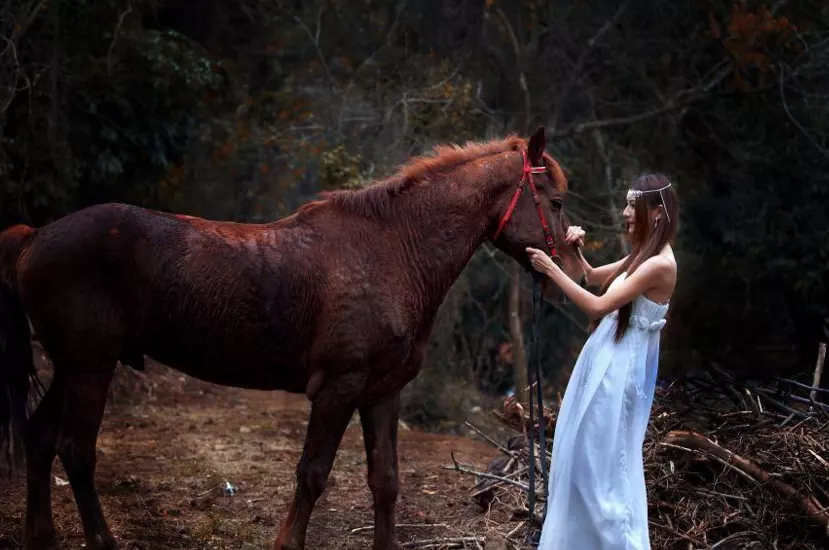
{"x": 528, "y": 209}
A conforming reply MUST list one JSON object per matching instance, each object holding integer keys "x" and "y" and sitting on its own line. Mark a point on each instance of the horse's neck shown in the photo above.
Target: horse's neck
{"x": 436, "y": 225}
{"x": 438, "y": 242}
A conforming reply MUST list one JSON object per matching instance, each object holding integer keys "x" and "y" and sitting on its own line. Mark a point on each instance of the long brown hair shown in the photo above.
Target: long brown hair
{"x": 647, "y": 240}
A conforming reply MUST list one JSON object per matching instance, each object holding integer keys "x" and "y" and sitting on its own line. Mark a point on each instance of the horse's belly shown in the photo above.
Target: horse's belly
{"x": 223, "y": 361}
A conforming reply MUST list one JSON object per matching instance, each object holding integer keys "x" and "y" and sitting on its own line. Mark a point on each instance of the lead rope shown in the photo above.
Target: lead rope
{"x": 534, "y": 375}
{"x": 531, "y": 434}
{"x": 542, "y": 425}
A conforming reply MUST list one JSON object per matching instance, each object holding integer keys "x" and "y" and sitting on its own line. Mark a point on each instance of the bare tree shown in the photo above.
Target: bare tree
{"x": 514, "y": 305}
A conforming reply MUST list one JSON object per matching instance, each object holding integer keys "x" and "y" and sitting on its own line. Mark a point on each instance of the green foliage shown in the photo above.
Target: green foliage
{"x": 340, "y": 170}
{"x": 117, "y": 118}
{"x": 132, "y": 122}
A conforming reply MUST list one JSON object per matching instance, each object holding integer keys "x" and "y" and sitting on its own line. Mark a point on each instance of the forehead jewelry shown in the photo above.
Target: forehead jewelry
{"x": 634, "y": 194}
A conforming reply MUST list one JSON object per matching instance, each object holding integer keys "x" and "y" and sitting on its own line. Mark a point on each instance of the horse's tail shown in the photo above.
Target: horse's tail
{"x": 17, "y": 368}
{"x": 12, "y": 242}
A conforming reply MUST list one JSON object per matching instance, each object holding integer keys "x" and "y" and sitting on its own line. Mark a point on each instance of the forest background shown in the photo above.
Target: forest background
{"x": 245, "y": 109}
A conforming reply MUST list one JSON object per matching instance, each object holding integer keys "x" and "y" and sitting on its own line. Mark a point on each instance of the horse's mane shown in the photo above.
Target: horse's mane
{"x": 375, "y": 200}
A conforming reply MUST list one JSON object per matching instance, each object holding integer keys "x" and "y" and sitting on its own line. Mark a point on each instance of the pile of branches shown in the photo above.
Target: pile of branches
{"x": 729, "y": 464}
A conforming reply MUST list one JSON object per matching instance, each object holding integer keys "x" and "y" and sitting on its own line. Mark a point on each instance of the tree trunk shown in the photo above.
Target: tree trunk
{"x": 516, "y": 333}
{"x": 54, "y": 73}
{"x": 612, "y": 205}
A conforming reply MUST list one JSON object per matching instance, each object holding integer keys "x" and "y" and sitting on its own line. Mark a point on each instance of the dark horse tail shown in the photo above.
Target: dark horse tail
{"x": 17, "y": 369}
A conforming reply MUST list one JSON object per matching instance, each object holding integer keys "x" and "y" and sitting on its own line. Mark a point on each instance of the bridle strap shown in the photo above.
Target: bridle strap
{"x": 534, "y": 364}
{"x": 527, "y": 177}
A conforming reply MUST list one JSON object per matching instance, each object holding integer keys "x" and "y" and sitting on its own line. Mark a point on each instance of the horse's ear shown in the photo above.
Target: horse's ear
{"x": 537, "y": 145}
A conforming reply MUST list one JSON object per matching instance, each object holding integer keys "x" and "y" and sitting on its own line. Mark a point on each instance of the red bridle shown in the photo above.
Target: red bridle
{"x": 527, "y": 176}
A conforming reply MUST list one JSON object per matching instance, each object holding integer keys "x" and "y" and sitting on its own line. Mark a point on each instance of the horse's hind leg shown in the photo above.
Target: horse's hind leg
{"x": 66, "y": 423}
{"x": 331, "y": 411}
{"x": 85, "y": 398}
{"x": 41, "y": 439}
{"x": 379, "y": 422}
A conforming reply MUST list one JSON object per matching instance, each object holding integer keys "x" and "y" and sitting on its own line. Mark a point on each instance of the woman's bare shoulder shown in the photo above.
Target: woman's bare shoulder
{"x": 662, "y": 266}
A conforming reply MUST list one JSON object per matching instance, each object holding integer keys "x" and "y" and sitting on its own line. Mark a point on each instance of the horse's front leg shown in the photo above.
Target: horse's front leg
{"x": 379, "y": 422}
{"x": 331, "y": 410}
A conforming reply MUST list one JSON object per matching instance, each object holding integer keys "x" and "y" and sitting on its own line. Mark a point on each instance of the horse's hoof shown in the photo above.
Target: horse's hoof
{"x": 48, "y": 542}
{"x": 386, "y": 544}
{"x": 102, "y": 542}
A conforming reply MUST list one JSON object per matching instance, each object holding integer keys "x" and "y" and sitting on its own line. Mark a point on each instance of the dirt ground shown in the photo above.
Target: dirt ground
{"x": 169, "y": 445}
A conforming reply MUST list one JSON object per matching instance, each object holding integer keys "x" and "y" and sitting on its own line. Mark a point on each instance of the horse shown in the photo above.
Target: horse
{"x": 336, "y": 300}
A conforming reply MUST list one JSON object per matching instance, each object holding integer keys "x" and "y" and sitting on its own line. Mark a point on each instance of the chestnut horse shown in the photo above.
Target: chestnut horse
{"x": 336, "y": 301}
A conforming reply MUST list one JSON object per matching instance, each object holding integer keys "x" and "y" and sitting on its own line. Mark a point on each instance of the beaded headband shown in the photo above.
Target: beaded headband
{"x": 634, "y": 194}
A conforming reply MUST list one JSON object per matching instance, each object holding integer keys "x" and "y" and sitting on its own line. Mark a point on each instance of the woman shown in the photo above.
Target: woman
{"x": 597, "y": 497}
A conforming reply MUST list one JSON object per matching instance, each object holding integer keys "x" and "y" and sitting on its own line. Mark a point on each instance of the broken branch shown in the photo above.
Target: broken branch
{"x": 456, "y": 542}
{"x": 692, "y": 440}
{"x": 458, "y": 468}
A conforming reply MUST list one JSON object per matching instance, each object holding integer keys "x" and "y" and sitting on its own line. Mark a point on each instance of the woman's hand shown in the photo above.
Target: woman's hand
{"x": 541, "y": 261}
{"x": 575, "y": 236}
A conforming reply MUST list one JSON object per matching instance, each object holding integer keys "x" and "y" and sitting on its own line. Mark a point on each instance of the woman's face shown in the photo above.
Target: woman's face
{"x": 629, "y": 214}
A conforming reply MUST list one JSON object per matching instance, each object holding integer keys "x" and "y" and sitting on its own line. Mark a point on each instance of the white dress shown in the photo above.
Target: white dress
{"x": 597, "y": 498}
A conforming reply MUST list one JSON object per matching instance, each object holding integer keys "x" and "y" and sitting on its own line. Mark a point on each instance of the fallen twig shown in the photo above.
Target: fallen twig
{"x": 456, "y": 542}
{"x": 673, "y": 531}
{"x": 457, "y": 467}
{"x": 399, "y": 525}
{"x": 489, "y": 439}
{"x": 821, "y": 357}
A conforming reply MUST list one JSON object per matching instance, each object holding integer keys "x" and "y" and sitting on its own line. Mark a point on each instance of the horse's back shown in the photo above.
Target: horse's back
{"x": 239, "y": 304}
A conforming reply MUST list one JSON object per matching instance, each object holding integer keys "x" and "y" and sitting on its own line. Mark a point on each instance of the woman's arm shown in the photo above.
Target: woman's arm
{"x": 653, "y": 272}
{"x": 596, "y": 276}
